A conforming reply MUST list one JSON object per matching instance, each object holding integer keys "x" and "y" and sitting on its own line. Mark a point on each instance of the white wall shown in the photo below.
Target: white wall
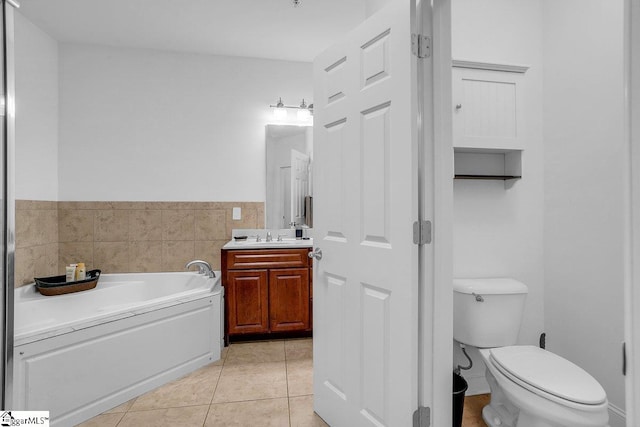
{"x": 36, "y": 70}
{"x": 372, "y": 6}
{"x": 584, "y": 155}
{"x": 153, "y": 125}
{"x": 498, "y": 231}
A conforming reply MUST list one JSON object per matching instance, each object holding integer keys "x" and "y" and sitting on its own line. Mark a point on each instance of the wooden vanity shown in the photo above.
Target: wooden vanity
{"x": 268, "y": 292}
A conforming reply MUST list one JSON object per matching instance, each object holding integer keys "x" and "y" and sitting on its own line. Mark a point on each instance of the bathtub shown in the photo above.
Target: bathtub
{"x": 78, "y": 355}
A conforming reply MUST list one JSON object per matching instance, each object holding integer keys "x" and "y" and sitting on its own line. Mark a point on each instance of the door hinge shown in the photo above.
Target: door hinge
{"x": 624, "y": 358}
{"x": 422, "y": 417}
{"x": 421, "y": 45}
{"x": 422, "y": 232}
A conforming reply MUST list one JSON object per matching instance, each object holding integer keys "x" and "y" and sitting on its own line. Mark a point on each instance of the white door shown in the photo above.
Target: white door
{"x": 299, "y": 185}
{"x": 366, "y": 200}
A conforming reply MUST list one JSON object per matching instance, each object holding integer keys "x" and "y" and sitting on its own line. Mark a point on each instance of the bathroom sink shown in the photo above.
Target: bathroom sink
{"x": 284, "y": 243}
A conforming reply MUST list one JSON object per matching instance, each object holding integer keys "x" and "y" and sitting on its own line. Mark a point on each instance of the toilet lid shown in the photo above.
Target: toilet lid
{"x": 549, "y": 373}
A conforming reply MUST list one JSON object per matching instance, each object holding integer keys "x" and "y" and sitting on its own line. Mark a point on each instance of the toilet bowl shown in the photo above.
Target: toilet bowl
{"x": 530, "y": 387}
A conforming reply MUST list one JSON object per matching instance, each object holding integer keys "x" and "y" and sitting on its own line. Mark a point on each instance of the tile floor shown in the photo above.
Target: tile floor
{"x": 266, "y": 383}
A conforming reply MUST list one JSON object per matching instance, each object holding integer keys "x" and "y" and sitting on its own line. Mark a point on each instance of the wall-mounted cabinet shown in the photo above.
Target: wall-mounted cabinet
{"x": 488, "y": 106}
{"x": 488, "y": 120}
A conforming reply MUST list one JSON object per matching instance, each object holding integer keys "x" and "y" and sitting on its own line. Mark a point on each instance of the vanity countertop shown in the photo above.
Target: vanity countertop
{"x": 284, "y": 244}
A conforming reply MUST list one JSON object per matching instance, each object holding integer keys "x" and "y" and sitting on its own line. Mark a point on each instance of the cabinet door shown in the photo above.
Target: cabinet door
{"x": 289, "y": 299}
{"x": 488, "y": 109}
{"x": 246, "y": 292}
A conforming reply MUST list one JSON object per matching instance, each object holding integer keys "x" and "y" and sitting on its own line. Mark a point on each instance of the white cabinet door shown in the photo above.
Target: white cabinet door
{"x": 366, "y": 193}
{"x": 488, "y": 109}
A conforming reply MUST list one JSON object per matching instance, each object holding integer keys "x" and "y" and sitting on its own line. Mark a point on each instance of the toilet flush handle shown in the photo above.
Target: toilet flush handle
{"x": 479, "y": 298}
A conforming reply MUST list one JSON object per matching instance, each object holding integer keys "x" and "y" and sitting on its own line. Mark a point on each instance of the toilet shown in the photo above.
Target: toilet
{"x": 530, "y": 387}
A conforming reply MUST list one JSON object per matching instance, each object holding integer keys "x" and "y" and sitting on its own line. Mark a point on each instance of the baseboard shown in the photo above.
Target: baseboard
{"x": 477, "y": 385}
{"x": 617, "y": 416}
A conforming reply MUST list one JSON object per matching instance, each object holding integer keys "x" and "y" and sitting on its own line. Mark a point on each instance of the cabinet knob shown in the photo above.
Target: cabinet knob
{"x": 317, "y": 254}
{"x": 458, "y": 106}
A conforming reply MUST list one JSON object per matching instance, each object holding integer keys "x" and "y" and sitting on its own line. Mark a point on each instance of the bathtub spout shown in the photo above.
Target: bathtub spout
{"x": 203, "y": 267}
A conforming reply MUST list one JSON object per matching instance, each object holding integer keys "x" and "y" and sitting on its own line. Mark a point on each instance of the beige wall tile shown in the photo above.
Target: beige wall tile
{"x": 248, "y": 220}
{"x": 45, "y": 259}
{"x": 178, "y": 224}
{"x": 51, "y": 226}
{"x": 111, "y": 257}
{"x": 75, "y": 225}
{"x": 181, "y": 231}
{"x": 210, "y": 252}
{"x": 211, "y": 225}
{"x": 27, "y": 228}
{"x": 24, "y": 266}
{"x": 145, "y": 225}
{"x": 74, "y": 252}
{"x": 176, "y": 254}
{"x": 145, "y": 256}
{"x": 111, "y": 225}
{"x": 35, "y": 205}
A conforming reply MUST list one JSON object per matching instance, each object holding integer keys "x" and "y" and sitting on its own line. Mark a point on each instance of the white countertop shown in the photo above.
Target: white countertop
{"x": 286, "y": 243}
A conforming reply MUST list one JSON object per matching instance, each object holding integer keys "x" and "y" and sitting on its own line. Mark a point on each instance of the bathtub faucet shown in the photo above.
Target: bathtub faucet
{"x": 203, "y": 267}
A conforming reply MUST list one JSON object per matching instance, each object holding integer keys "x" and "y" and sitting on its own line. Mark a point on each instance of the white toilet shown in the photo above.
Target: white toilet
{"x": 530, "y": 387}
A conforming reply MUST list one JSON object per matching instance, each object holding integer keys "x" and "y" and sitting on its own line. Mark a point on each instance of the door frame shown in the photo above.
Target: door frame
{"x": 632, "y": 209}
{"x": 8, "y": 205}
{"x": 436, "y": 260}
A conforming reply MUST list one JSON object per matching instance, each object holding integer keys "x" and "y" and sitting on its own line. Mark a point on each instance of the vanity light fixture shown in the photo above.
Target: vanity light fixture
{"x": 304, "y": 113}
{"x": 280, "y": 110}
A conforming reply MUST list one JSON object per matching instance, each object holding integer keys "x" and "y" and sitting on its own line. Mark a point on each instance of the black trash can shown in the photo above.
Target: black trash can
{"x": 459, "y": 388}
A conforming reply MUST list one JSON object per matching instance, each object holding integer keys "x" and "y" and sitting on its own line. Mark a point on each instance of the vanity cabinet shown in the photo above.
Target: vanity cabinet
{"x": 266, "y": 291}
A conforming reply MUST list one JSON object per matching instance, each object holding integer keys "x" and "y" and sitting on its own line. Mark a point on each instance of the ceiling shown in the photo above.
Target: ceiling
{"x": 272, "y": 29}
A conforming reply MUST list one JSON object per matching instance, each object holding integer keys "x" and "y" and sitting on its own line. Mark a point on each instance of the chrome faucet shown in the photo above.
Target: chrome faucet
{"x": 269, "y": 238}
{"x": 203, "y": 267}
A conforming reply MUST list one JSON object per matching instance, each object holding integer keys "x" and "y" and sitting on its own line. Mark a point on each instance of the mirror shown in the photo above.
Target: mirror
{"x": 289, "y": 156}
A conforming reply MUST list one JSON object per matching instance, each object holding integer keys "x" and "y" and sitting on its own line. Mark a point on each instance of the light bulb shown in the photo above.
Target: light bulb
{"x": 280, "y": 112}
{"x": 304, "y": 114}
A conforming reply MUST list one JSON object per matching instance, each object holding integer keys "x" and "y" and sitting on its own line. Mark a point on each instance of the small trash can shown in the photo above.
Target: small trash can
{"x": 459, "y": 388}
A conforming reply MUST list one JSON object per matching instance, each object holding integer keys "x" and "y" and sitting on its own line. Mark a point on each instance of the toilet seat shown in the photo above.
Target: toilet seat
{"x": 548, "y": 375}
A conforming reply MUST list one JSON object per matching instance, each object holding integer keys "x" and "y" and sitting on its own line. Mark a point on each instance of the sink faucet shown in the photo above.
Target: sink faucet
{"x": 269, "y": 238}
{"x": 203, "y": 267}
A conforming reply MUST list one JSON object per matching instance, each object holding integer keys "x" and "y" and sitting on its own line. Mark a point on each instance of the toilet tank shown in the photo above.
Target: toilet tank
{"x": 487, "y": 312}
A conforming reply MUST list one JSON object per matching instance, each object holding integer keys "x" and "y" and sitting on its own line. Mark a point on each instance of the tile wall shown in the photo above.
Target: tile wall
{"x": 119, "y": 237}
{"x": 36, "y": 240}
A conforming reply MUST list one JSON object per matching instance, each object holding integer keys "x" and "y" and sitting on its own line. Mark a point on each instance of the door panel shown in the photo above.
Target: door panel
{"x": 299, "y": 185}
{"x": 289, "y": 299}
{"x": 247, "y": 301}
{"x": 365, "y": 189}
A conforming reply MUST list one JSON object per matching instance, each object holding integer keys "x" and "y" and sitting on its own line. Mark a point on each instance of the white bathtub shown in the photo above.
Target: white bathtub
{"x": 80, "y": 354}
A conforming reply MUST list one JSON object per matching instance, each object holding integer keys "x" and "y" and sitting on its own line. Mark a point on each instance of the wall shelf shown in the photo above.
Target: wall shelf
{"x": 488, "y": 177}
